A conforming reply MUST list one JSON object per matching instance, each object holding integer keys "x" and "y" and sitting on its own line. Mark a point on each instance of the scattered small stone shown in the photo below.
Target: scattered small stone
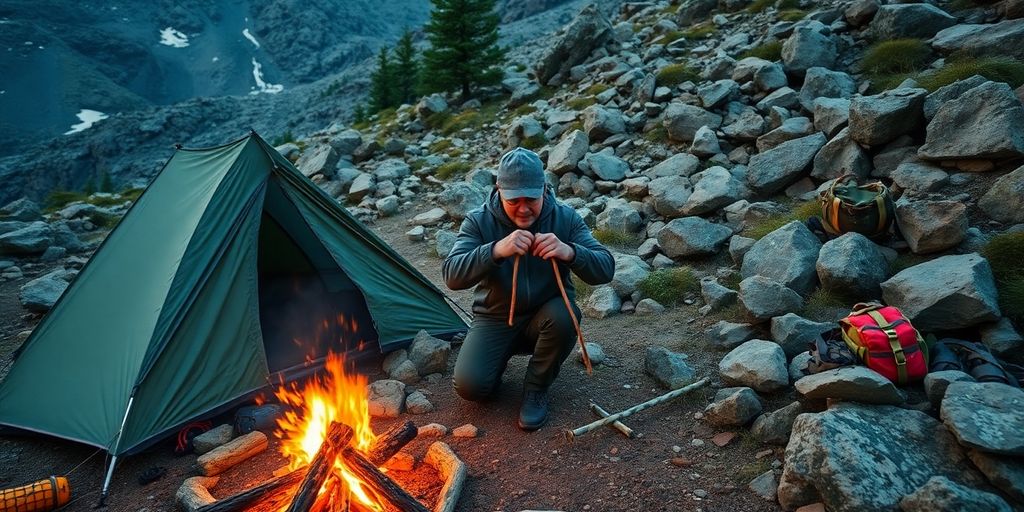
{"x": 467, "y": 430}
{"x": 432, "y": 430}
{"x": 697, "y": 443}
{"x": 681, "y": 462}
{"x": 723, "y": 439}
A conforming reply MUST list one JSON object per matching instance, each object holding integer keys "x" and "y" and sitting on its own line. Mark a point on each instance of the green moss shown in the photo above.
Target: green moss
{"x": 785, "y": 5}
{"x": 534, "y": 142}
{"x": 792, "y": 15}
{"x": 440, "y": 145}
{"x": 523, "y": 110}
{"x": 800, "y": 212}
{"x": 699, "y": 31}
{"x": 997, "y": 69}
{"x": 452, "y": 168}
{"x": 675, "y": 74}
{"x": 669, "y": 286}
{"x": 670, "y": 36}
{"x": 581, "y": 103}
{"x": 759, "y": 5}
{"x": 58, "y": 199}
{"x": 656, "y": 134}
{"x": 436, "y": 120}
{"x": 822, "y": 305}
{"x": 596, "y": 89}
{"x": 732, "y": 281}
{"x": 617, "y": 238}
{"x": 896, "y": 56}
{"x": 417, "y": 164}
{"x": 1005, "y": 253}
{"x": 769, "y": 51}
{"x": 747, "y": 472}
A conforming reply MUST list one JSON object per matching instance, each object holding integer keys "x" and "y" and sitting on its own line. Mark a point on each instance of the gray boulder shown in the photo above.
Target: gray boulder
{"x": 855, "y": 457}
{"x": 787, "y": 255}
{"x": 716, "y": 188}
{"x": 568, "y": 152}
{"x": 1002, "y": 200}
{"x": 712, "y": 94}
{"x": 705, "y": 143}
{"x": 648, "y": 307}
{"x": 932, "y": 226}
{"x": 762, "y": 299}
{"x": 682, "y": 121}
{"x": 692, "y": 237}
{"x": 1002, "y": 339}
{"x": 602, "y": 303}
{"x": 392, "y": 169}
{"x": 693, "y": 11}
{"x": 948, "y": 93}
{"x": 738, "y": 248}
{"x": 40, "y": 294}
{"x": 362, "y": 185}
{"x": 461, "y": 197}
{"x": 387, "y": 206}
{"x": 941, "y": 494}
{"x": 417, "y": 403}
{"x": 319, "y": 159}
{"x": 946, "y": 293}
{"x": 444, "y": 242}
{"x": 853, "y": 383}
{"x": 429, "y": 354}
{"x": 918, "y": 178}
{"x": 386, "y": 398}
{"x": 821, "y": 82}
{"x": 630, "y": 270}
{"x": 619, "y": 216}
{"x": 936, "y": 383}
{"x": 607, "y": 166}
{"x": 679, "y": 164}
{"x": 839, "y": 156}
{"x": 854, "y": 266}
{"x": 670, "y": 195}
{"x": 984, "y": 122}
{"x": 793, "y": 333}
{"x": 668, "y": 368}
{"x": 808, "y": 47}
{"x": 831, "y": 115}
{"x": 792, "y": 128}
{"x": 986, "y": 416}
{"x": 431, "y": 104}
{"x": 775, "y": 427}
{"x": 716, "y": 295}
{"x": 31, "y": 239}
{"x": 733, "y": 407}
{"x": 22, "y": 209}
{"x": 757, "y": 364}
{"x": 899, "y": 21}
{"x": 600, "y": 123}
{"x": 1006, "y": 473}
{"x": 588, "y": 31}
{"x": 878, "y": 119}
{"x": 1005, "y": 39}
{"x": 859, "y": 12}
{"x": 346, "y": 142}
{"x": 745, "y": 123}
{"x": 775, "y": 169}
{"x": 725, "y": 335}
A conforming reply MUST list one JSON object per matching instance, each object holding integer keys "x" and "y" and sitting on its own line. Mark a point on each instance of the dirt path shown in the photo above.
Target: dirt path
{"x": 509, "y": 470}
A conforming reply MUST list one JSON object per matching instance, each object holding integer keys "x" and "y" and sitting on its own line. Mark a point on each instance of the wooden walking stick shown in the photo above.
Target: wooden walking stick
{"x": 572, "y": 314}
{"x": 515, "y": 278}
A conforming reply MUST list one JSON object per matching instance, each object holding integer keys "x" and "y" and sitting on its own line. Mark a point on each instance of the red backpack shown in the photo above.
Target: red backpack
{"x": 886, "y": 342}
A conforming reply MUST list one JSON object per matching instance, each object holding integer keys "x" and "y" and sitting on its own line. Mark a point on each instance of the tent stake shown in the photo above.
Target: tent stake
{"x": 113, "y": 457}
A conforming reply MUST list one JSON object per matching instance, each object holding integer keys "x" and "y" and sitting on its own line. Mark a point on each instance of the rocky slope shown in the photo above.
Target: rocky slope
{"x": 685, "y": 154}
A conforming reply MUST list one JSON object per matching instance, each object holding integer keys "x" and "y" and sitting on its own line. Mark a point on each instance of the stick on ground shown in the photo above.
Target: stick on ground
{"x": 573, "y": 434}
{"x": 617, "y": 425}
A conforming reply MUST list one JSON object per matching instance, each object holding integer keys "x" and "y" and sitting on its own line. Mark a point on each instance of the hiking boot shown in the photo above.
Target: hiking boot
{"x": 534, "y": 411}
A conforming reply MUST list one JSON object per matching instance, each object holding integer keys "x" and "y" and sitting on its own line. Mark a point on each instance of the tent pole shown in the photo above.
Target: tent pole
{"x": 113, "y": 458}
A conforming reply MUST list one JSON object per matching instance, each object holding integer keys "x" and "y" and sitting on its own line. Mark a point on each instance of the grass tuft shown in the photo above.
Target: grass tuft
{"x": 698, "y": 31}
{"x": 452, "y": 168}
{"x": 996, "y": 69}
{"x": 669, "y": 286}
{"x": 523, "y": 110}
{"x": 792, "y": 15}
{"x": 750, "y": 471}
{"x": 899, "y": 56}
{"x": 617, "y": 238}
{"x": 596, "y": 89}
{"x": 534, "y": 142}
{"x": 440, "y": 145}
{"x": 675, "y": 74}
{"x": 1005, "y": 253}
{"x": 582, "y": 102}
{"x": 769, "y": 51}
{"x": 822, "y": 305}
{"x": 656, "y": 134}
{"x": 801, "y": 212}
{"x": 583, "y": 290}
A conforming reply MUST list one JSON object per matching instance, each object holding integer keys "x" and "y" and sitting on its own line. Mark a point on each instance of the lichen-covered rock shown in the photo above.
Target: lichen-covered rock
{"x": 787, "y": 255}
{"x": 950, "y": 292}
{"x": 757, "y": 364}
{"x": 986, "y": 416}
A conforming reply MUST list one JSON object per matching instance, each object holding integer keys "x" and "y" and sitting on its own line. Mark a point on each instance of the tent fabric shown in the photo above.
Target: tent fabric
{"x": 166, "y": 315}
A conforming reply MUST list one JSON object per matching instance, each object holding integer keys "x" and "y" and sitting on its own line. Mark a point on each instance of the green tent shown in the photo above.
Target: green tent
{"x": 231, "y": 272}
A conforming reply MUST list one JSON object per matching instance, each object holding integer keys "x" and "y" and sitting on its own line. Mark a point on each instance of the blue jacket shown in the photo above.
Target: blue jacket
{"x": 470, "y": 263}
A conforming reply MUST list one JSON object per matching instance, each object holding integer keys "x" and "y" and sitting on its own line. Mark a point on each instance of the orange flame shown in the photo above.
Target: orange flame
{"x": 336, "y": 396}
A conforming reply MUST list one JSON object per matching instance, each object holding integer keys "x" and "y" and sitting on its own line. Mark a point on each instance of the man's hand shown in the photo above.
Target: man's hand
{"x": 547, "y": 245}
{"x": 515, "y": 244}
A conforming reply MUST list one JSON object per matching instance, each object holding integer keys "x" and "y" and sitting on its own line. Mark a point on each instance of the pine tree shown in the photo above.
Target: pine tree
{"x": 360, "y": 114}
{"x": 106, "y": 184}
{"x": 381, "y": 82}
{"x": 407, "y": 70}
{"x": 464, "y": 48}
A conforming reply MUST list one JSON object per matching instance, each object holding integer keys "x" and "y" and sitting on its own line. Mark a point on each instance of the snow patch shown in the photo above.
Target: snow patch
{"x": 87, "y": 118}
{"x": 261, "y": 85}
{"x": 215, "y": 59}
{"x": 248, "y": 35}
{"x": 173, "y": 38}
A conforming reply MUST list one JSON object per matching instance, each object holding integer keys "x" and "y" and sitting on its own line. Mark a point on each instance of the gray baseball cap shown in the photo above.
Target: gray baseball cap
{"x": 520, "y": 174}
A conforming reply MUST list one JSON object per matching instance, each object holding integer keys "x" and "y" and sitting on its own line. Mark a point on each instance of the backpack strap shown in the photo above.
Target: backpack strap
{"x": 883, "y": 213}
{"x": 894, "y": 345}
{"x": 862, "y": 308}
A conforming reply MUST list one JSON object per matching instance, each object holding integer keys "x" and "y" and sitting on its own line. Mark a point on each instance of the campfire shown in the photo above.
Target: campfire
{"x": 334, "y": 455}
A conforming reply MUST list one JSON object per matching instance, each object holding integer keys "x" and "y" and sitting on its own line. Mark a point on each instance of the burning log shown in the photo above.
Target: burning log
{"x": 337, "y": 438}
{"x": 390, "y": 442}
{"x": 385, "y": 488}
{"x": 275, "y": 494}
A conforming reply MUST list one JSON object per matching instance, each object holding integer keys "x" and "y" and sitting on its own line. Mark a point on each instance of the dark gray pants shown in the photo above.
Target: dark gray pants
{"x": 547, "y": 334}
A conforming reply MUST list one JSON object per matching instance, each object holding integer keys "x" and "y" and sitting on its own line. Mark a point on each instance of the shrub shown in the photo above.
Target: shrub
{"x": 759, "y": 5}
{"x": 60, "y": 198}
{"x": 452, "y": 168}
{"x": 801, "y": 212}
{"x": 675, "y": 74}
{"x": 669, "y": 286}
{"x": 1005, "y": 253}
{"x": 784, "y": 5}
{"x": 699, "y": 31}
{"x": 596, "y": 89}
{"x": 997, "y": 69}
{"x": 896, "y": 56}
{"x": 440, "y": 145}
{"x": 534, "y": 142}
{"x": 656, "y": 134}
{"x": 617, "y": 238}
{"x": 284, "y": 138}
{"x": 581, "y": 103}
{"x": 769, "y": 51}
{"x": 523, "y": 110}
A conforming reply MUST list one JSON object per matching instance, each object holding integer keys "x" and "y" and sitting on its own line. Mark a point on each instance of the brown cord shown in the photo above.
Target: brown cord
{"x": 515, "y": 278}
{"x": 572, "y": 314}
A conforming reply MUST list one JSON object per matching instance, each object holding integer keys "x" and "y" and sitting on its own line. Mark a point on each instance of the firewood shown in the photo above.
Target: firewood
{"x": 452, "y": 471}
{"x": 390, "y": 442}
{"x": 194, "y": 494}
{"x": 385, "y": 488}
{"x": 224, "y": 457}
{"x": 279, "y": 489}
{"x": 338, "y": 436}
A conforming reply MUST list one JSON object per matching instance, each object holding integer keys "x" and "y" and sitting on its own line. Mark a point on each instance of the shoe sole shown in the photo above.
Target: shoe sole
{"x": 531, "y": 428}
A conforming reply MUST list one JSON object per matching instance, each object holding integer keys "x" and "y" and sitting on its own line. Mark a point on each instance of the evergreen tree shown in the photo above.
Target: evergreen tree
{"x": 464, "y": 48}
{"x": 407, "y": 70}
{"x": 360, "y": 114}
{"x": 381, "y": 82}
{"x": 106, "y": 184}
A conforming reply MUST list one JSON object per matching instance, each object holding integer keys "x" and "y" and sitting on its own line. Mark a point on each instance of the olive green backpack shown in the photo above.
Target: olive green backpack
{"x": 848, "y": 207}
